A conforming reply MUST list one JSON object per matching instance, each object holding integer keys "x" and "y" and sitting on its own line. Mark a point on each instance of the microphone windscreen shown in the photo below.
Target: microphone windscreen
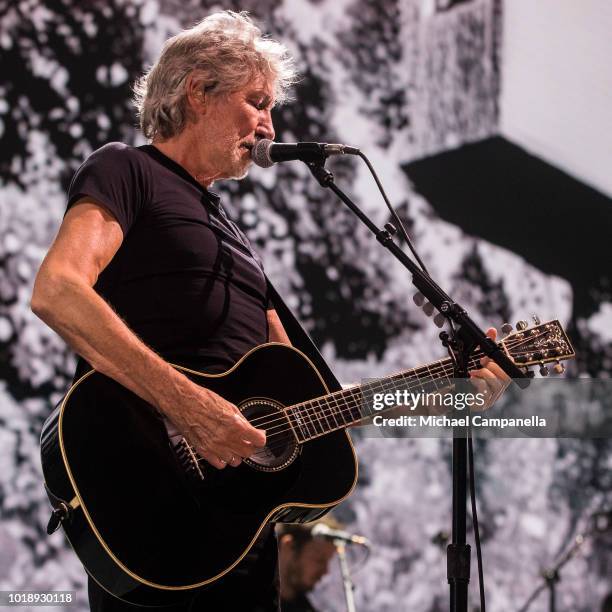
{"x": 260, "y": 153}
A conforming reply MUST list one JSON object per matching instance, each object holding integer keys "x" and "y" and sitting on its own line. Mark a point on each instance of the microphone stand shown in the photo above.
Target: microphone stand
{"x": 601, "y": 522}
{"x": 465, "y": 336}
{"x": 347, "y": 581}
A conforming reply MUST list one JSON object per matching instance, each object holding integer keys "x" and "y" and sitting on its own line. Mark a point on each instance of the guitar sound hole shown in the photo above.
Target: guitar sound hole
{"x": 281, "y": 446}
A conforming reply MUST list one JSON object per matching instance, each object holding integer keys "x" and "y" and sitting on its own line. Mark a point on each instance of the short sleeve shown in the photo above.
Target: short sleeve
{"x": 115, "y": 176}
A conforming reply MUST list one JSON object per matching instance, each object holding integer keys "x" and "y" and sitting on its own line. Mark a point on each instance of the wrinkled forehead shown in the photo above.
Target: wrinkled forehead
{"x": 262, "y": 84}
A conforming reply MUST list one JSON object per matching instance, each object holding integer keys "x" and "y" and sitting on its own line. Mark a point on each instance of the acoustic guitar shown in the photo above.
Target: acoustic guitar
{"x": 151, "y": 521}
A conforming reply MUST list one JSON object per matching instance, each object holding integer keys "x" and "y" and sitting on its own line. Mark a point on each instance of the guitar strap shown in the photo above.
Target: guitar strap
{"x": 300, "y": 339}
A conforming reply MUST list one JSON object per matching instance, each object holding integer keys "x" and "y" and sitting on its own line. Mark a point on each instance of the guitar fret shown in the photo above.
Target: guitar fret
{"x": 308, "y": 420}
{"x": 354, "y": 410}
{"x": 327, "y": 424}
{"x": 342, "y": 408}
{"x": 333, "y": 406}
{"x": 318, "y": 418}
{"x": 296, "y": 417}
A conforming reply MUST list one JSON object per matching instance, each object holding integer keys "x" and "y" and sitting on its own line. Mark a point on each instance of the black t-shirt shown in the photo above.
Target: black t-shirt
{"x": 300, "y": 603}
{"x": 185, "y": 278}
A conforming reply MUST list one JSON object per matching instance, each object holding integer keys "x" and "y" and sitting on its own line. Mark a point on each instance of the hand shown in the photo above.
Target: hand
{"x": 216, "y": 428}
{"x": 490, "y": 380}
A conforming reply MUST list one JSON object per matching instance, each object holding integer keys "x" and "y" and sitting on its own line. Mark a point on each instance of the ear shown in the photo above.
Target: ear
{"x": 286, "y": 542}
{"x": 196, "y": 97}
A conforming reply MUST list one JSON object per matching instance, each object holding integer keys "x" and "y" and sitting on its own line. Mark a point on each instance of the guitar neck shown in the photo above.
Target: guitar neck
{"x": 341, "y": 409}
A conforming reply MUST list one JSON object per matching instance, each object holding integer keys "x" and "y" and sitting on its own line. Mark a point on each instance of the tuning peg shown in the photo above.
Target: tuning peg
{"x": 521, "y": 325}
{"x": 439, "y": 320}
{"x": 559, "y": 368}
{"x": 428, "y": 308}
{"x": 544, "y": 370}
{"x": 418, "y": 298}
{"x": 536, "y": 319}
{"x": 506, "y": 328}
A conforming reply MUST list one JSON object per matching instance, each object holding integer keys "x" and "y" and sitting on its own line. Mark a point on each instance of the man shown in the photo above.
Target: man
{"x": 303, "y": 561}
{"x": 147, "y": 268}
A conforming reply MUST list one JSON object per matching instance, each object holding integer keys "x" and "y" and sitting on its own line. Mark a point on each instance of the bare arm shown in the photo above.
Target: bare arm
{"x": 64, "y": 298}
{"x": 276, "y": 331}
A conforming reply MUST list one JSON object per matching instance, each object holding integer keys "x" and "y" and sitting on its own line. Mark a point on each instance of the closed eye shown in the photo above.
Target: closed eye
{"x": 260, "y": 105}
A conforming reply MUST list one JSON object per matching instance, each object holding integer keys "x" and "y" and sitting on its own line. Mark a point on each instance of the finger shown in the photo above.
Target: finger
{"x": 248, "y": 433}
{"x": 478, "y": 383}
{"x": 491, "y": 333}
{"x": 488, "y": 379}
{"x": 215, "y": 461}
{"x": 484, "y": 373}
{"x": 230, "y": 458}
{"x": 494, "y": 368}
{"x": 235, "y": 461}
{"x": 493, "y": 383}
{"x": 241, "y": 447}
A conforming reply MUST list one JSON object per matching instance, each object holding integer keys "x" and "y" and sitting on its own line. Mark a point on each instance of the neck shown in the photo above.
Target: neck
{"x": 187, "y": 150}
{"x": 342, "y": 409}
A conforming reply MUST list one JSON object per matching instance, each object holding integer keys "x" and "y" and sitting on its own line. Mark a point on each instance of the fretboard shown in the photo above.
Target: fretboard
{"x": 341, "y": 409}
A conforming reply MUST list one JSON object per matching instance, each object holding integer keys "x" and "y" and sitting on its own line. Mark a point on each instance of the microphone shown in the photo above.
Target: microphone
{"x": 266, "y": 153}
{"x": 321, "y": 530}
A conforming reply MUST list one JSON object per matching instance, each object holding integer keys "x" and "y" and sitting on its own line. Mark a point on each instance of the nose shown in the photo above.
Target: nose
{"x": 265, "y": 129}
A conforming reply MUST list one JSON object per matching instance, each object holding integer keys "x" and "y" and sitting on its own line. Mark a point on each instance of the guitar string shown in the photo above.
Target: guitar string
{"x": 353, "y": 402}
{"x": 307, "y": 408}
{"x": 326, "y": 415}
{"x": 322, "y": 428}
{"x": 427, "y": 368}
{"x": 303, "y": 407}
{"x": 350, "y": 404}
{"x": 327, "y": 411}
{"x": 347, "y": 407}
{"x": 325, "y": 418}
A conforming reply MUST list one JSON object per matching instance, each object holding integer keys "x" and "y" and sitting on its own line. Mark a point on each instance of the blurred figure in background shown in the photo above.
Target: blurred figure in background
{"x": 303, "y": 561}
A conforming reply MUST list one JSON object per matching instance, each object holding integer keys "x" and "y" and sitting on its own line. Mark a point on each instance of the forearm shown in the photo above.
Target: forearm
{"x": 276, "y": 331}
{"x": 94, "y": 331}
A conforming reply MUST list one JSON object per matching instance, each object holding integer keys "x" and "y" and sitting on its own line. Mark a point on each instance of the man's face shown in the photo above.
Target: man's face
{"x": 310, "y": 564}
{"x": 235, "y": 122}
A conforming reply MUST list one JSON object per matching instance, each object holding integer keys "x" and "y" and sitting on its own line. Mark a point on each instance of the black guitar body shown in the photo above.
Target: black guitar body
{"x": 150, "y": 528}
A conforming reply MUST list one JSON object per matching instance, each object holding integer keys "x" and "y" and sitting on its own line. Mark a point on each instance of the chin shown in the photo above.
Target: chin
{"x": 240, "y": 172}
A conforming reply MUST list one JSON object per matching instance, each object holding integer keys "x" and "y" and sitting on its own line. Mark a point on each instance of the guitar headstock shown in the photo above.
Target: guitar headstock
{"x": 539, "y": 344}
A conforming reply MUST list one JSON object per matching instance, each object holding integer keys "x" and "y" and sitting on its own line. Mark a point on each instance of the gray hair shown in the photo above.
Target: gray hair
{"x": 224, "y": 52}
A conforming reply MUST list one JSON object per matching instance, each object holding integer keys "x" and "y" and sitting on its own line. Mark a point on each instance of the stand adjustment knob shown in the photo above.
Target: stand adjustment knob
{"x": 521, "y": 325}
{"x": 390, "y": 228}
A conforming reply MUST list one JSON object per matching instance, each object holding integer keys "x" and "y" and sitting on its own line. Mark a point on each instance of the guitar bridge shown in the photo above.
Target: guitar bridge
{"x": 189, "y": 460}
